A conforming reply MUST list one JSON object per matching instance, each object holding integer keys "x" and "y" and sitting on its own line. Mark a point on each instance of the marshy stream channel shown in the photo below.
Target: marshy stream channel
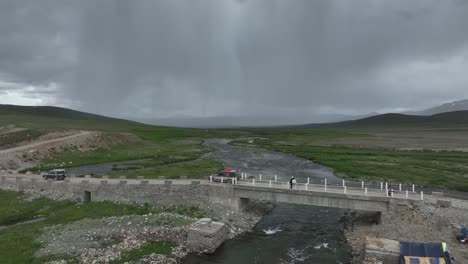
{"x": 290, "y": 233}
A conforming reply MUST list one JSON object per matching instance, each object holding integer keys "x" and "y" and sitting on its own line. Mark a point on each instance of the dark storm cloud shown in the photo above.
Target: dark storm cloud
{"x": 211, "y": 57}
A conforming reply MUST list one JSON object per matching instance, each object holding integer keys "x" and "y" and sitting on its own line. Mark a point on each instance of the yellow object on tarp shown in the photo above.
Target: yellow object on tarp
{"x": 423, "y": 260}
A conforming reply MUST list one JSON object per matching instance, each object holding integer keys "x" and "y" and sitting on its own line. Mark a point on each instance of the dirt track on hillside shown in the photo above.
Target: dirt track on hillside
{"x": 30, "y": 154}
{"x": 39, "y": 143}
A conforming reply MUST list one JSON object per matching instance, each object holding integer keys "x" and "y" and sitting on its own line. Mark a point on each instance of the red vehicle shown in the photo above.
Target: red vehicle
{"x": 225, "y": 176}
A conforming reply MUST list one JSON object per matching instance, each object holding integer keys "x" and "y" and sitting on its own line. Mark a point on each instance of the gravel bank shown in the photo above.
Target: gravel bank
{"x": 427, "y": 223}
{"x": 104, "y": 240}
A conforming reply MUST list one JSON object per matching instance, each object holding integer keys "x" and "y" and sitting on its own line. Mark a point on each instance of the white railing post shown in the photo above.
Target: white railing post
{"x": 386, "y": 192}
{"x": 422, "y": 195}
{"x": 365, "y": 191}
{"x": 211, "y": 178}
{"x": 414, "y": 189}
{"x": 270, "y": 183}
{"x": 344, "y": 184}
{"x": 233, "y": 181}
{"x": 260, "y": 177}
{"x": 381, "y": 185}
{"x": 362, "y": 184}
{"x": 406, "y": 195}
{"x": 276, "y": 178}
{"x": 325, "y": 185}
{"x": 308, "y": 180}
{"x": 344, "y": 189}
{"x": 253, "y": 181}
{"x": 386, "y": 185}
{"x": 399, "y": 187}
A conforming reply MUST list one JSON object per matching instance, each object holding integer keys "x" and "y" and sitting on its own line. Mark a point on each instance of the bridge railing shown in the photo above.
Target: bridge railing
{"x": 399, "y": 190}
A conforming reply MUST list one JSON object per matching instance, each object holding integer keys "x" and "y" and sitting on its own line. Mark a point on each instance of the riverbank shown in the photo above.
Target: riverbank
{"x": 427, "y": 223}
{"x": 68, "y": 235}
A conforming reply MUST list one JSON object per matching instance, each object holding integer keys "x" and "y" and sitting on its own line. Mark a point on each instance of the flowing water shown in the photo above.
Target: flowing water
{"x": 290, "y": 233}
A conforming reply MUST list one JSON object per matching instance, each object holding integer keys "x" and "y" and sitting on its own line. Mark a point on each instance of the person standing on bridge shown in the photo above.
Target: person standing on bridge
{"x": 292, "y": 181}
{"x": 390, "y": 190}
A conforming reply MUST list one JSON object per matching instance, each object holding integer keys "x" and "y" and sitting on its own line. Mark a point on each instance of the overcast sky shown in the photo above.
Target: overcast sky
{"x": 159, "y": 58}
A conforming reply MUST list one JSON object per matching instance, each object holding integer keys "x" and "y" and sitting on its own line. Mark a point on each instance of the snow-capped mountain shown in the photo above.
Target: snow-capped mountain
{"x": 448, "y": 107}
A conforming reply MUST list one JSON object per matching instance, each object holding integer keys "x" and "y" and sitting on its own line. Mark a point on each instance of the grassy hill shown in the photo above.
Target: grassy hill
{"x": 49, "y": 117}
{"x": 165, "y": 150}
{"x": 51, "y": 111}
{"x": 444, "y": 120}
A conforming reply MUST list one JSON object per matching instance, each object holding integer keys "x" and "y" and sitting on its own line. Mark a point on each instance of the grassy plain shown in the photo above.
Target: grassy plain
{"x": 18, "y": 244}
{"x": 424, "y": 157}
{"x": 195, "y": 169}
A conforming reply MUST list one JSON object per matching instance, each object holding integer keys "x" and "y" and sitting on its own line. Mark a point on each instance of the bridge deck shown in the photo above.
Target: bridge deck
{"x": 371, "y": 192}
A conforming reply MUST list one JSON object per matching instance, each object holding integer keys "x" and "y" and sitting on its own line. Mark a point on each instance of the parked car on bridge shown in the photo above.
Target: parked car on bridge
{"x": 226, "y": 176}
{"x": 57, "y": 174}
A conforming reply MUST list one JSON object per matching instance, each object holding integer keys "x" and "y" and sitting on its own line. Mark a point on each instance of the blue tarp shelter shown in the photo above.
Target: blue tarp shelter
{"x": 424, "y": 253}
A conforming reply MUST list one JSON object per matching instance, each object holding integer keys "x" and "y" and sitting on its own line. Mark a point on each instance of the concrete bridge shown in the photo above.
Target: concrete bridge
{"x": 198, "y": 193}
{"x": 345, "y": 198}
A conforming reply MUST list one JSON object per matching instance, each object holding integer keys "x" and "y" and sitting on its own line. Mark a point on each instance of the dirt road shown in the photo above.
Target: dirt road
{"x": 31, "y": 153}
{"x": 39, "y": 143}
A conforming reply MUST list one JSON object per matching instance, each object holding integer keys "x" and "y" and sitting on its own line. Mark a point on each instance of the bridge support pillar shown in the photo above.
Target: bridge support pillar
{"x": 240, "y": 204}
{"x": 381, "y": 217}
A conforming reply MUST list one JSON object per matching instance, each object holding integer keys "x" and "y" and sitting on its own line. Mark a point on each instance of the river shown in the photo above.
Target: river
{"x": 289, "y": 233}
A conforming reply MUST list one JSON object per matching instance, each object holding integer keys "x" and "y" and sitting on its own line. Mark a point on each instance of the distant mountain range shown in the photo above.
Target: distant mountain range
{"x": 448, "y": 119}
{"x": 286, "y": 120}
{"x": 246, "y": 121}
{"x": 455, "y": 113}
{"x": 449, "y": 114}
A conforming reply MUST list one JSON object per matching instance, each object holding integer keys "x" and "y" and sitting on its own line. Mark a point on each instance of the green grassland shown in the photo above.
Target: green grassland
{"x": 196, "y": 169}
{"x": 18, "y": 244}
{"x": 441, "y": 169}
{"x": 174, "y": 152}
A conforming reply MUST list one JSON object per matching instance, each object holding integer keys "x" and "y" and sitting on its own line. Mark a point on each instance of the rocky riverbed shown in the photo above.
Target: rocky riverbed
{"x": 290, "y": 233}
